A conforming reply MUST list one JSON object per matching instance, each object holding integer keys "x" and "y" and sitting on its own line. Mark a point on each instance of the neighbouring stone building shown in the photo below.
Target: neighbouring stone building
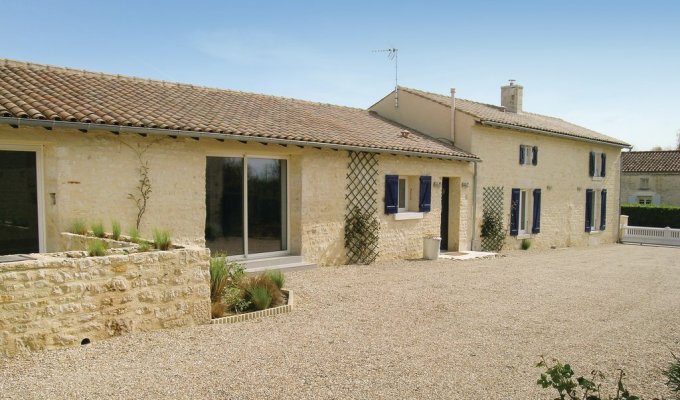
{"x": 251, "y": 175}
{"x": 650, "y": 177}
{"x": 552, "y": 182}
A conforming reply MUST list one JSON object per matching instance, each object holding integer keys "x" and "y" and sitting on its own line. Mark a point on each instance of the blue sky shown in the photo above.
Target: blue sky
{"x": 612, "y": 66}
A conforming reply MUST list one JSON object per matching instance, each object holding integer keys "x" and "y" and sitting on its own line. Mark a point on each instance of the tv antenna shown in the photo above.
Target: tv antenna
{"x": 393, "y": 54}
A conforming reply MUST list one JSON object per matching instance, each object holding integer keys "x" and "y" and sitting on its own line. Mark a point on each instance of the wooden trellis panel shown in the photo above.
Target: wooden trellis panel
{"x": 362, "y": 228}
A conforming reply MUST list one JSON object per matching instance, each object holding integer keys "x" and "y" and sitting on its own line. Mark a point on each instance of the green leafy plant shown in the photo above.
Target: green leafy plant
{"x": 134, "y": 235}
{"x": 361, "y": 236}
{"x": 78, "y": 227}
{"x": 263, "y": 281}
{"x": 96, "y": 248}
{"x": 672, "y": 373}
{"x": 526, "y": 243}
{"x": 492, "y": 232}
{"x": 144, "y": 246}
{"x": 115, "y": 230}
{"x": 161, "y": 239}
{"x": 260, "y": 297}
{"x": 559, "y": 376}
{"x": 225, "y": 291}
{"x": 98, "y": 230}
{"x": 277, "y": 277}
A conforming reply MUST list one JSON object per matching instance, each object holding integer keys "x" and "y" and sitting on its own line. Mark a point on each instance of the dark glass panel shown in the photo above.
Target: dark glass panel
{"x": 224, "y": 205}
{"x": 19, "y": 231}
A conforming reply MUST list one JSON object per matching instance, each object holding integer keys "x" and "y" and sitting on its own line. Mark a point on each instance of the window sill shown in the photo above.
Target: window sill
{"x": 597, "y": 178}
{"x": 524, "y": 236}
{"x": 408, "y": 215}
{"x": 593, "y": 232}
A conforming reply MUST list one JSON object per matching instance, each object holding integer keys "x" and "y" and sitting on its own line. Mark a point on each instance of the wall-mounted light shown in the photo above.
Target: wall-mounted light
{"x": 53, "y": 197}
{"x": 436, "y": 184}
{"x": 465, "y": 184}
{"x": 549, "y": 187}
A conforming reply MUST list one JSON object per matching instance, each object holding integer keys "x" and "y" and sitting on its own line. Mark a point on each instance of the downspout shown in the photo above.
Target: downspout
{"x": 453, "y": 116}
{"x": 474, "y": 208}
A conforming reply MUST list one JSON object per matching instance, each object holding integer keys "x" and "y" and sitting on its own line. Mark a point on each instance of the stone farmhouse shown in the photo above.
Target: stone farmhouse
{"x": 250, "y": 175}
{"x": 650, "y": 177}
{"x": 552, "y": 182}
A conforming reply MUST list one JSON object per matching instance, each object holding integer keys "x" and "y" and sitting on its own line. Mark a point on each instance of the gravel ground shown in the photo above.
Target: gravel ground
{"x": 411, "y": 329}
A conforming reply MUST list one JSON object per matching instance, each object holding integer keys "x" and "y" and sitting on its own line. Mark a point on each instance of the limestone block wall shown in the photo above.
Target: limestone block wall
{"x": 561, "y": 174}
{"x": 404, "y": 238}
{"x": 664, "y": 188}
{"x": 55, "y": 301}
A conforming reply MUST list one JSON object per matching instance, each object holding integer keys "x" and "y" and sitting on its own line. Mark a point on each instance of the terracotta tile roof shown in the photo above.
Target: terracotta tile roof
{"x": 651, "y": 161}
{"x": 491, "y": 113}
{"x": 35, "y": 91}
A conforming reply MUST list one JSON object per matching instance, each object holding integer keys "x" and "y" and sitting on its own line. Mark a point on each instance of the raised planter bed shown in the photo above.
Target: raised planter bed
{"x": 258, "y": 314}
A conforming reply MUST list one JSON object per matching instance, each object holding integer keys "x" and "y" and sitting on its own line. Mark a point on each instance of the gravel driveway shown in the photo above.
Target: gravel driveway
{"x": 418, "y": 329}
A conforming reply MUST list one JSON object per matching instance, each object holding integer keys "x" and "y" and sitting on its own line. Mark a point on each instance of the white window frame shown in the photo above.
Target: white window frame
{"x": 403, "y": 179}
{"x": 523, "y": 212}
{"x": 528, "y": 154}
{"x": 645, "y": 200}
{"x": 595, "y": 211}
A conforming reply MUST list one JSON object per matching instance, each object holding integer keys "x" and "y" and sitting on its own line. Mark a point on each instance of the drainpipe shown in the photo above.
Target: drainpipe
{"x": 474, "y": 208}
{"x": 453, "y": 116}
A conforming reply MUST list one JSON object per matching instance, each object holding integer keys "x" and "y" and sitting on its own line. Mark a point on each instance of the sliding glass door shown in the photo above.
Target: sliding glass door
{"x": 246, "y": 205}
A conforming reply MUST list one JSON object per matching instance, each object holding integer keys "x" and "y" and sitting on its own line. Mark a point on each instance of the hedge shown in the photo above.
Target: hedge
{"x": 652, "y": 215}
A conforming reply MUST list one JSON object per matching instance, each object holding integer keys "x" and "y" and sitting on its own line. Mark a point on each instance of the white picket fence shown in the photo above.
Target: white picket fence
{"x": 645, "y": 235}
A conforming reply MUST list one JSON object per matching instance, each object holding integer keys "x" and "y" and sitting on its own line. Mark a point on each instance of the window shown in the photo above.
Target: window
{"x": 596, "y": 210}
{"x": 528, "y": 155}
{"x": 521, "y": 217}
{"x": 644, "y": 184}
{"x": 597, "y": 164}
{"x": 403, "y": 190}
{"x": 407, "y": 194}
{"x": 644, "y": 199}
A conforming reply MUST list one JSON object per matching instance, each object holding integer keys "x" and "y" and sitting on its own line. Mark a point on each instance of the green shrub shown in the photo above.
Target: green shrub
{"x": 672, "y": 373}
{"x": 262, "y": 281}
{"x": 277, "y": 277}
{"x": 78, "y": 227}
{"x": 492, "y": 232}
{"x": 98, "y": 230}
{"x": 260, "y": 297}
{"x": 652, "y": 215}
{"x": 96, "y": 248}
{"x": 526, "y": 243}
{"x": 143, "y": 246}
{"x": 161, "y": 239}
{"x": 115, "y": 230}
{"x": 225, "y": 291}
{"x": 134, "y": 235}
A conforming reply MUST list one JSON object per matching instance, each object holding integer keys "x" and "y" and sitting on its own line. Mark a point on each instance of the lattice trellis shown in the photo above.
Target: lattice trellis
{"x": 492, "y": 214}
{"x": 362, "y": 227}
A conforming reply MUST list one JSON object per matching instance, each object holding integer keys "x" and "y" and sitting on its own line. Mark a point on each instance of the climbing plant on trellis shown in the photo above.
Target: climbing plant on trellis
{"x": 362, "y": 227}
{"x": 493, "y": 229}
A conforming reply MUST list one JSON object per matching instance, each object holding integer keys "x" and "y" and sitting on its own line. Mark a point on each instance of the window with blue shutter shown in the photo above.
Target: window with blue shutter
{"x": 521, "y": 154}
{"x": 591, "y": 165}
{"x": 603, "y": 157}
{"x": 391, "y": 194}
{"x": 603, "y": 209}
{"x": 534, "y": 160}
{"x": 536, "y": 224}
{"x": 514, "y": 212}
{"x": 425, "y": 193}
{"x": 589, "y": 209}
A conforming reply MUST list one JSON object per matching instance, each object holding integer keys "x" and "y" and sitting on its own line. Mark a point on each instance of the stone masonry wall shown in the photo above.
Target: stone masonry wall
{"x": 54, "y": 302}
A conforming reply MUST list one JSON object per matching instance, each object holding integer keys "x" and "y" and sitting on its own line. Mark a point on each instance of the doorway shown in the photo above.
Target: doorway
{"x": 246, "y": 206}
{"x": 20, "y": 231}
{"x": 444, "y": 225}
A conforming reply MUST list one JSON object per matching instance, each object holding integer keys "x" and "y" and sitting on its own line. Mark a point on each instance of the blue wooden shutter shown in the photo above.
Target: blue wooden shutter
{"x": 589, "y": 208}
{"x": 603, "y": 209}
{"x": 604, "y": 163}
{"x": 391, "y": 194}
{"x": 534, "y": 160}
{"x": 514, "y": 212}
{"x": 536, "y": 224}
{"x": 521, "y": 154}
{"x": 591, "y": 165}
{"x": 425, "y": 193}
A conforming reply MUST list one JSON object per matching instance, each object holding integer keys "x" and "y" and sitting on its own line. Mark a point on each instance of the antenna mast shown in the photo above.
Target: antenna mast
{"x": 393, "y": 54}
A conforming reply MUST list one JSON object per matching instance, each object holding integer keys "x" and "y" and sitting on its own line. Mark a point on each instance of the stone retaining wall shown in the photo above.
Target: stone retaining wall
{"x": 54, "y": 301}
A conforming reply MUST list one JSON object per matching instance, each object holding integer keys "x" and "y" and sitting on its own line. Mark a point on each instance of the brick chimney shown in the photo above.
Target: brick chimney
{"x": 511, "y": 97}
